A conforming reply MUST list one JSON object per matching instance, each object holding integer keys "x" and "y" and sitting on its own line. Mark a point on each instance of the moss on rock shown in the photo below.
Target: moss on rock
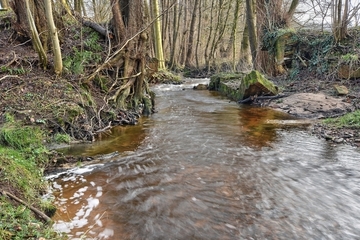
{"x": 238, "y": 86}
{"x": 255, "y": 83}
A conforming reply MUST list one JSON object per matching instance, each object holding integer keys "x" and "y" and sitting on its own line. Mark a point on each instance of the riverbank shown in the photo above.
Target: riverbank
{"x": 341, "y": 126}
{"x": 23, "y": 158}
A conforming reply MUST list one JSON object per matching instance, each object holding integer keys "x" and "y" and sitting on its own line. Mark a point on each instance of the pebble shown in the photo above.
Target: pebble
{"x": 338, "y": 140}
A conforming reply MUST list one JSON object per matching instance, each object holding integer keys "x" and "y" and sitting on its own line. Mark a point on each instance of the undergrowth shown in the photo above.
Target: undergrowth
{"x": 89, "y": 52}
{"x": 17, "y": 222}
{"x": 22, "y": 161}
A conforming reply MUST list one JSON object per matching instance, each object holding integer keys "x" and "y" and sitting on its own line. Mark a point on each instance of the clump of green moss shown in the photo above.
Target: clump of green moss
{"x": 348, "y": 120}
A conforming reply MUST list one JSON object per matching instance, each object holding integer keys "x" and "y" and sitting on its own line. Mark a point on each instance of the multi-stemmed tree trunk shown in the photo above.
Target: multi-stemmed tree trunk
{"x": 35, "y": 36}
{"x": 31, "y": 21}
{"x": 340, "y": 15}
{"x": 272, "y": 17}
{"x": 130, "y": 55}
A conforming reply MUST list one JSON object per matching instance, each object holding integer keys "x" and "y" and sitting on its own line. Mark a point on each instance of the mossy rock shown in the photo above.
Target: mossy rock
{"x": 238, "y": 86}
{"x": 255, "y": 83}
{"x": 224, "y": 78}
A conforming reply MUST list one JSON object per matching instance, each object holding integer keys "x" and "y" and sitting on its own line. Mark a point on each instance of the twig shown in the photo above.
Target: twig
{"x": 104, "y": 129}
{"x": 13, "y": 60}
{"x": 9, "y": 76}
{"x": 35, "y": 210}
{"x": 252, "y": 98}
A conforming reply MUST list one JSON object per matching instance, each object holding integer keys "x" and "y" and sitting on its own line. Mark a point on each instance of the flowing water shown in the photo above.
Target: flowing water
{"x": 206, "y": 168}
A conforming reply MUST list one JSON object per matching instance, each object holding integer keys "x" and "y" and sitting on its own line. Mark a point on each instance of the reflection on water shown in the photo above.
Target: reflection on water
{"x": 204, "y": 168}
{"x": 117, "y": 139}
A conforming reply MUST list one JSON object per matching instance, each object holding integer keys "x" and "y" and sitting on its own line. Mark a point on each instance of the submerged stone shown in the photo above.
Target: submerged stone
{"x": 201, "y": 87}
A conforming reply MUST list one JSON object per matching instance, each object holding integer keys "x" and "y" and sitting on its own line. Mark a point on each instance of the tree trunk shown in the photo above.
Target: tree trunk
{"x": 206, "y": 54}
{"x": 274, "y": 20}
{"x": 130, "y": 56}
{"x": 35, "y": 36}
{"x": 198, "y": 37}
{"x": 54, "y": 38}
{"x": 175, "y": 24}
{"x": 185, "y": 33}
{"x": 190, "y": 54}
{"x": 251, "y": 23}
{"x": 119, "y": 30}
{"x": 221, "y": 25}
{"x": 77, "y": 6}
{"x": 4, "y": 4}
{"x": 231, "y": 43}
{"x": 157, "y": 34}
{"x": 66, "y": 7}
{"x": 245, "y": 52}
{"x": 340, "y": 19}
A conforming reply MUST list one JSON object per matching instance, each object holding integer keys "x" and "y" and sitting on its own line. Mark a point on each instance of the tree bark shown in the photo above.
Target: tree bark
{"x": 175, "y": 24}
{"x": 119, "y": 30}
{"x": 4, "y": 4}
{"x": 190, "y": 54}
{"x": 198, "y": 37}
{"x": 35, "y": 36}
{"x": 58, "y": 65}
{"x": 245, "y": 52}
{"x": 251, "y": 23}
{"x": 131, "y": 55}
{"x": 157, "y": 35}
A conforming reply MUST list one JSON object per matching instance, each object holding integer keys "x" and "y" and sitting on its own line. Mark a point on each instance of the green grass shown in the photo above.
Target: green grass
{"x": 17, "y": 222}
{"x": 349, "y": 120}
{"x": 62, "y": 138}
{"x": 22, "y": 160}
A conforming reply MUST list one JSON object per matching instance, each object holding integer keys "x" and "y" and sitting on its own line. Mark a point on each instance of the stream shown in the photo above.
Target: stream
{"x": 203, "y": 167}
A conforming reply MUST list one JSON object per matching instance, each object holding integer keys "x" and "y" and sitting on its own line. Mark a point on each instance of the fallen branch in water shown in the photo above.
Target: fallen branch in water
{"x": 255, "y": 97}
{"x": 35, "y": 210}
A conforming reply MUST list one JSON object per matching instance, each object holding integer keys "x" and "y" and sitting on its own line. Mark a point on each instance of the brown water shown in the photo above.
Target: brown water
{"x": 206, "y": 168}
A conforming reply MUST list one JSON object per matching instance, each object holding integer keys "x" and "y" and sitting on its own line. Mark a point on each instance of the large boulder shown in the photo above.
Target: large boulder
{"x": 239, "y": 86}
{"x": 227, "y": 84}
{"x": 255, "y": 83}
